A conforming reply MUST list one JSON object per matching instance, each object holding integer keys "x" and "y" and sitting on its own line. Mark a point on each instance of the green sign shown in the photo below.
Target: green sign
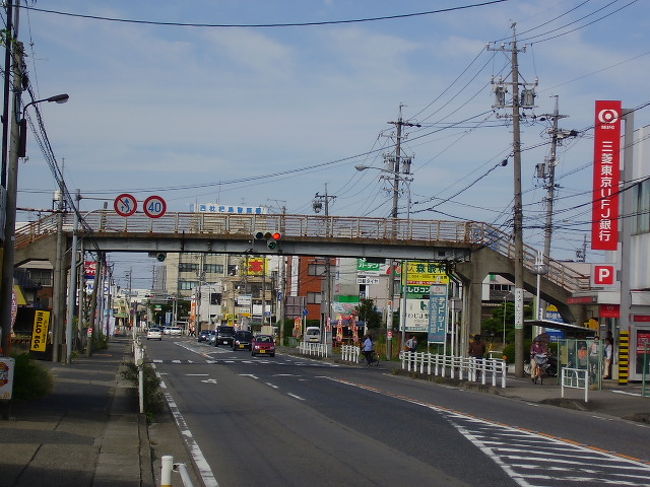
{"x": 364, "y": 266}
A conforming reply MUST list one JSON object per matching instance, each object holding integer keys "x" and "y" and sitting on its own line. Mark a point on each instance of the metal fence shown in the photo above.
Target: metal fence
{"x": 350, "y": 353}
{"x": 313, "y": 349}
{"x": 573, "y": 378}
{"x": 462, "y": 368}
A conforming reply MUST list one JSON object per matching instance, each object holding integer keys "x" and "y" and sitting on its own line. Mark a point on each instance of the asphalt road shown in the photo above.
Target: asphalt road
{"x": 294, "y": 421}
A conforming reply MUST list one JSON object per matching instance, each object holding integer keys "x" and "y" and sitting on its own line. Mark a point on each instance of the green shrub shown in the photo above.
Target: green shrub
{"x": 154, "y": 400}
{"x": 31, "y": 379}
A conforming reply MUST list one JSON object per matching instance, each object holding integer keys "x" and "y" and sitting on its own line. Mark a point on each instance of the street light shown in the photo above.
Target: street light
{"x": 398, "y": 177}
{"x": 16, "y": 151}
{"x": 22, "y": 134}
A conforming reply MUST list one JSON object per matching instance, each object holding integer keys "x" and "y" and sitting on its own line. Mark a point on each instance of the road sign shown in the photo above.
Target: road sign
{"x": 125, "y": 204}
{"x": 154, "y": 206}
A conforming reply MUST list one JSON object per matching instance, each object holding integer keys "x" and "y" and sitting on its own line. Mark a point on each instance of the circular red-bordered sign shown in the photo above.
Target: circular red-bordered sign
{"x": 154, "y": 206}
{"x": 125, "y": 204}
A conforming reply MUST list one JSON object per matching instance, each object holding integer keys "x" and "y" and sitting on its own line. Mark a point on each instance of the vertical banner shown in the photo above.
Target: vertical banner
{"x": 605, "y": 204}
{"x": 6, "y": 378}
{"x": 438, "y": 313}
{"x": 39, "y": 332}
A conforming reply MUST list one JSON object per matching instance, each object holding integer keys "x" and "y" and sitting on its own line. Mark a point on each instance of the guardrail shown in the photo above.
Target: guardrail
{"x": 313, "y": 349}
{"x": 338, "y": 228}
{"x": 454, "y": 367}
{"x": 350, "y": 353}
{"x": 575, "y": 379}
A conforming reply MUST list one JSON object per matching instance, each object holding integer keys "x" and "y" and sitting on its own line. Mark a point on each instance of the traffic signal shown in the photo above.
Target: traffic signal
{"x": 161, "y": 256}
{"x": 272, "y": 240}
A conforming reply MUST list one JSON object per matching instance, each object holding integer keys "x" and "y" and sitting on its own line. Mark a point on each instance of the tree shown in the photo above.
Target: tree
{"x": 367, "y": 311}
{"x": 493, "y": 326}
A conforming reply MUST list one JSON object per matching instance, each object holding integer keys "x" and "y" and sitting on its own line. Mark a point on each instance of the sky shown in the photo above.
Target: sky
{"x": 236, "y": 113}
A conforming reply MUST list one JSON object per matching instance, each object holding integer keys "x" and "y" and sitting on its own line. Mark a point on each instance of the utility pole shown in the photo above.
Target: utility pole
{"x": 10, "y": 177}
{"x": 398, "y": 166}
{"x": 526, "y": 101}
{"x": 318, "y": 205}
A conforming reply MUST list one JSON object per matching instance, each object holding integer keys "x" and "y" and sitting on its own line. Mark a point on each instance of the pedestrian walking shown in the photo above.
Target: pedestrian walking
{"x": 368, "y": 349}
{"x": 608, "y": 352}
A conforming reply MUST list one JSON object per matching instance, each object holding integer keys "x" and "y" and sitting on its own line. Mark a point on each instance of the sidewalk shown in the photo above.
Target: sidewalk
{"x": 86, "y": 433}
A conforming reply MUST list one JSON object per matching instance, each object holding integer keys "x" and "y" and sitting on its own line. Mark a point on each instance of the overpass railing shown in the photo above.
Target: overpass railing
{"x": 336, "y": 228}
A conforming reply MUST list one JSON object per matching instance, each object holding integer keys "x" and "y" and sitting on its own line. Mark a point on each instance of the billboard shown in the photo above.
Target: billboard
{"x": 605, "y": 204}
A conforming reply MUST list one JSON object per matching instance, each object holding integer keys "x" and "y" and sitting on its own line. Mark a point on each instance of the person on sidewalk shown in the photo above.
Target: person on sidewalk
{"x": 368, "y": 349}
{"x": 411, "y": 344}
{"x": 608, "y": 352}
{"x": 477, "y": 348}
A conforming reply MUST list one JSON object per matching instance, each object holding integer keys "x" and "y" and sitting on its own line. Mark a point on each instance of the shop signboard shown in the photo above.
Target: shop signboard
{"x": 6, "y": 378}
{"x": 438, "y": 313}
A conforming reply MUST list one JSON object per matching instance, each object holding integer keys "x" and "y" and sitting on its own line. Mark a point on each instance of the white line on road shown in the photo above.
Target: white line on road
{"x": 204, "y": 468}
{"x": 252, "y": 376}
{"x": 196, "y": 375}
{"x": 271, "y": 385}
{"x": 295, "y": 396}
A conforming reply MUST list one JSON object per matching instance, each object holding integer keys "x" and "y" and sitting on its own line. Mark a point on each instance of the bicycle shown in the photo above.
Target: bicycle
{"x": 374, "y": 359}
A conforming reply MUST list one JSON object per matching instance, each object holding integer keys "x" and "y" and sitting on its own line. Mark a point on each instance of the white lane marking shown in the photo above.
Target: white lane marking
{"x": 600, "y": 458}
{"x": 284, "y": 375}
{"x": 271, "y": 385}
{"x": 176, "y": 361}
{"x": 295, "y": 396}
{"x": 209, "y": 381}
{"x": 196, "y": 375}
{"x": 252, "y": 376}
{"x": 158, "y": 374}
{"x": 626, "y": 393}
{"x": 204, "y": 468}
{"x": 157, "y": 361}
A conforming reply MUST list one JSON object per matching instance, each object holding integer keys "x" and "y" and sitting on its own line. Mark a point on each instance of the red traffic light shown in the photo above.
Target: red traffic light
{"x": 276, "y": 236}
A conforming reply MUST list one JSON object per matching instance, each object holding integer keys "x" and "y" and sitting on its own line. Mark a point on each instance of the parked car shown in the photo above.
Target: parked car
{"x": 173, "y": 330}
{"x": 224, "y": 335}
{"x": 204, "y": 335}
{"x": 154, "y": 333}
{"x": 241, "y": 340}
{"x": 263, "y": 345}
{"x": 312, "y": 334}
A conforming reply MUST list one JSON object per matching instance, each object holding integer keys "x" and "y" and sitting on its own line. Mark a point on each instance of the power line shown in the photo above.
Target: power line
{"x": 268, "y": 25}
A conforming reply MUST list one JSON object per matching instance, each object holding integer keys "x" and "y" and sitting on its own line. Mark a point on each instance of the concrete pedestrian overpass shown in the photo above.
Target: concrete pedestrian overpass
{"x": 472, "y": 249}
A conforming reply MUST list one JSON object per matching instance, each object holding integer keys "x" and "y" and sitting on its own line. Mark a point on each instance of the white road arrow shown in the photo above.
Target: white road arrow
{"x": 210, "y": 381}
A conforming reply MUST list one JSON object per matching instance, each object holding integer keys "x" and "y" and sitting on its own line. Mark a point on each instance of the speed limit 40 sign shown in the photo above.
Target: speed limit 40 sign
{"x": 154, "y": 206}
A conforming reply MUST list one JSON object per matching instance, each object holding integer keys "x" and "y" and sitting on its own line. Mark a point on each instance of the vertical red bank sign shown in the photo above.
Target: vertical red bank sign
{"x": 607, "y": 145}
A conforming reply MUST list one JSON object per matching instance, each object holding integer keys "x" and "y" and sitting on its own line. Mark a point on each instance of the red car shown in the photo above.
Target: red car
{"x": 263, "y": 345}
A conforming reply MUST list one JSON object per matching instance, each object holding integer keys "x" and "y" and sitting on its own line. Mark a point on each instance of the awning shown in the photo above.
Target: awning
{"x": 560, "y": 326}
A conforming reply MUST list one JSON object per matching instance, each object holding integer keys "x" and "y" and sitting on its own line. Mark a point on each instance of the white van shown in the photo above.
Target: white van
{"x": 312, "y": 334}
